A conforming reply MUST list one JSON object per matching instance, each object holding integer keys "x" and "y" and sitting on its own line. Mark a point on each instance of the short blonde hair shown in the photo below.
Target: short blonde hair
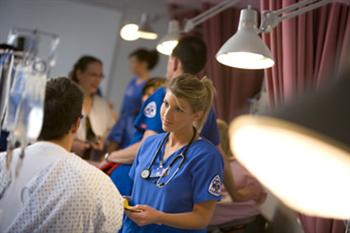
{"x": 198, "y": 93}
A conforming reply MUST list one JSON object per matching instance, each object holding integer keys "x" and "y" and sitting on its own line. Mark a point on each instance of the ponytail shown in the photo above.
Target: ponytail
{"x": 198, "y": 93}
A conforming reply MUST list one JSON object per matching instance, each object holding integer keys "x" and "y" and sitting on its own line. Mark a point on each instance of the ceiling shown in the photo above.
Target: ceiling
{"x": 190, "y": 4}
{"x": 114, "y": 4}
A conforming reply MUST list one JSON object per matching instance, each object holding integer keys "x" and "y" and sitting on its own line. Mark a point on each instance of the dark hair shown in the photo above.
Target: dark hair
{"x": 192, "y": 53}
{"x": 81, "y": 65}
{"x": 155, "y": 83}
{"x": 63, "y": 105}
{"x": 148, "y": 56}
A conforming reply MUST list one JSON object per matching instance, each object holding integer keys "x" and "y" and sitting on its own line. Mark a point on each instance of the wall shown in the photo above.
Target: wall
{"x": 83, "y": 28}
{"x": 120, "y": 74}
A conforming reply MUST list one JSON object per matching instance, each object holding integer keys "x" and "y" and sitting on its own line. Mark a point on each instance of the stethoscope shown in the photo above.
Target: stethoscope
{"x": 146, "y": 173}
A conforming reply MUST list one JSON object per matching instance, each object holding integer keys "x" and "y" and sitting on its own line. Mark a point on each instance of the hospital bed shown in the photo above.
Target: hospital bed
{"x": 236, "y": 216}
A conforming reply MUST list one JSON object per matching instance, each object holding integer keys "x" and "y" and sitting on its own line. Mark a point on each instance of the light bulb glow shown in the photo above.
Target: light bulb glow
{"x": 167, "y": 47}
{"x": 245, "y": 60}
{"x": 148, "y": 35}
{"x": 130, "y": 32}
{"x": 308, "y": 174}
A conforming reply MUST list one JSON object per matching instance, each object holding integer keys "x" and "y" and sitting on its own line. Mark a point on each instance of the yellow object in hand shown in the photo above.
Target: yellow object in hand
{"x": 126, "y": 203}
{"x": 128, "y": 207}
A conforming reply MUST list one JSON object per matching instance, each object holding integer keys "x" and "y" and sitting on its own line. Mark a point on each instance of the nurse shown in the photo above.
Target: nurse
{"x": 141, "y": 62}
{"x": 177, "y": 174}
{"x": 189, "y": 56}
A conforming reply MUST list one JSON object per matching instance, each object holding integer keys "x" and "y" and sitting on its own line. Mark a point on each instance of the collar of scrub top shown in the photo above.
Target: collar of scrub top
{"x": 146, "y": 173}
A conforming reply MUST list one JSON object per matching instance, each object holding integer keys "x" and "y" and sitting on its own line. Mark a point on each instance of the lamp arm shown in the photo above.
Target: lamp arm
{"x": 191, "y": 23}
{"x": 271, "y": 19}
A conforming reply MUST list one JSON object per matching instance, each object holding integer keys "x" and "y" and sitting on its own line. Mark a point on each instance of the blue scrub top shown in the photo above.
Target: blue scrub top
{"x": 123, "y": 130}
{"x": 198, "y": 180}
{"x": 149, "y": 119}
{"x": 132, "y": 97}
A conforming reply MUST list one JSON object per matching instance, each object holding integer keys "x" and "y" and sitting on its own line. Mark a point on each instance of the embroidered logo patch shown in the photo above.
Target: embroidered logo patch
{"x": 151, "y": 110}
{"x": 215, "y": 186}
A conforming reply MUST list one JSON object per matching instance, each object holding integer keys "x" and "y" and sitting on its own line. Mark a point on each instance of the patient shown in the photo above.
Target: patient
{"x": 55, "y": 190}
{"x": 248, "y": 188}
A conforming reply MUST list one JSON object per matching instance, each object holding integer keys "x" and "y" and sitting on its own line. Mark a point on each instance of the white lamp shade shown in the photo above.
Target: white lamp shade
{"x": 130, "y": 32}
{"x": 168, "y": 42}
{"x": 245, "y": 49}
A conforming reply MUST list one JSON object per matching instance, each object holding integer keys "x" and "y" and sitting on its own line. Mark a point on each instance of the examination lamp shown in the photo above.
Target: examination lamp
{"x": 169, "y": 41}
{"x": 245, "y": 49}
{"x": 301, "y": 152}
{"x": 131, "y": 31}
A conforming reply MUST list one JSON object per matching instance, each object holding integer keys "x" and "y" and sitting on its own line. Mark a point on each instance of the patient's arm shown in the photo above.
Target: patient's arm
{"x": 128, "y": 154}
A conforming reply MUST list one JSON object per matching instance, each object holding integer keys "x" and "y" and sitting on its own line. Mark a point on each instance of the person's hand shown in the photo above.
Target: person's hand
{"x": 79, "y": 146}
{"x": 103, "y": 164}
{"x": 97, "y": 145}
{"x": 143, "y": 215}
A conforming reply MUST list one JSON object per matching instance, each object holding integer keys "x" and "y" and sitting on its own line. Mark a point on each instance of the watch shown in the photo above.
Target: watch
{"x": 106, "y": 157}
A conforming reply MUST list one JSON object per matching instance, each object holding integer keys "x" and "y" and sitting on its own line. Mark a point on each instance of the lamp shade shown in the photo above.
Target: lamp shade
{"x": 245, "y": 49}
{"x": 145, "y": 29}
{"x": 130, "y": 32}
{"x": 170, "y": 40}
{"x": 301, "y": 152}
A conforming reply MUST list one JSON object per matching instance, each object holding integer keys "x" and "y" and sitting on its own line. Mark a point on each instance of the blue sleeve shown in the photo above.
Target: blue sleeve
{"x": 210, "y": 129}
{"x": 207, "y": 176}
{"x": 116, "y": 134}
{"x": 149, "y": 115}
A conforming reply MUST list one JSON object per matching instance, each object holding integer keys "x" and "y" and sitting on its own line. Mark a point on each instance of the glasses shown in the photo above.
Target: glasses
{"x": 95, "y": 75}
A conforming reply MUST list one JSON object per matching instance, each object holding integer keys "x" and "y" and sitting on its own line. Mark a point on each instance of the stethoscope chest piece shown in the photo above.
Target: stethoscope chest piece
{"x": 145, "y": 173}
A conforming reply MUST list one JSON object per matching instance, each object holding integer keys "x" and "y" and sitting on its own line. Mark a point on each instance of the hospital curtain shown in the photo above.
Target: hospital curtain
{"x": 234, "y": 86}
{"x": 308, "y": 50}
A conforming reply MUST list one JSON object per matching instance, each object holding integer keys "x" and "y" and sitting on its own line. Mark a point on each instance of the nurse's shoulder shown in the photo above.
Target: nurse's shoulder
{"x": 154, "y": 139}
{"x": 205, "y": 149}
{"x": 153, "y": 103}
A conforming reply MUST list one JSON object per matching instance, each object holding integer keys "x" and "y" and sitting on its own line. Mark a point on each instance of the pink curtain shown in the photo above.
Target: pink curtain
{"x": 321, "y": 225}
{"x": 308, "y": 50}
{"x": 234, "y": 86}
{"x": 314, "y": 45}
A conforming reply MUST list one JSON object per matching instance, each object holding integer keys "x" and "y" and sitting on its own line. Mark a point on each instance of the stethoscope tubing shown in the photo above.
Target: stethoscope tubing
{"x": 145, "y": 174}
